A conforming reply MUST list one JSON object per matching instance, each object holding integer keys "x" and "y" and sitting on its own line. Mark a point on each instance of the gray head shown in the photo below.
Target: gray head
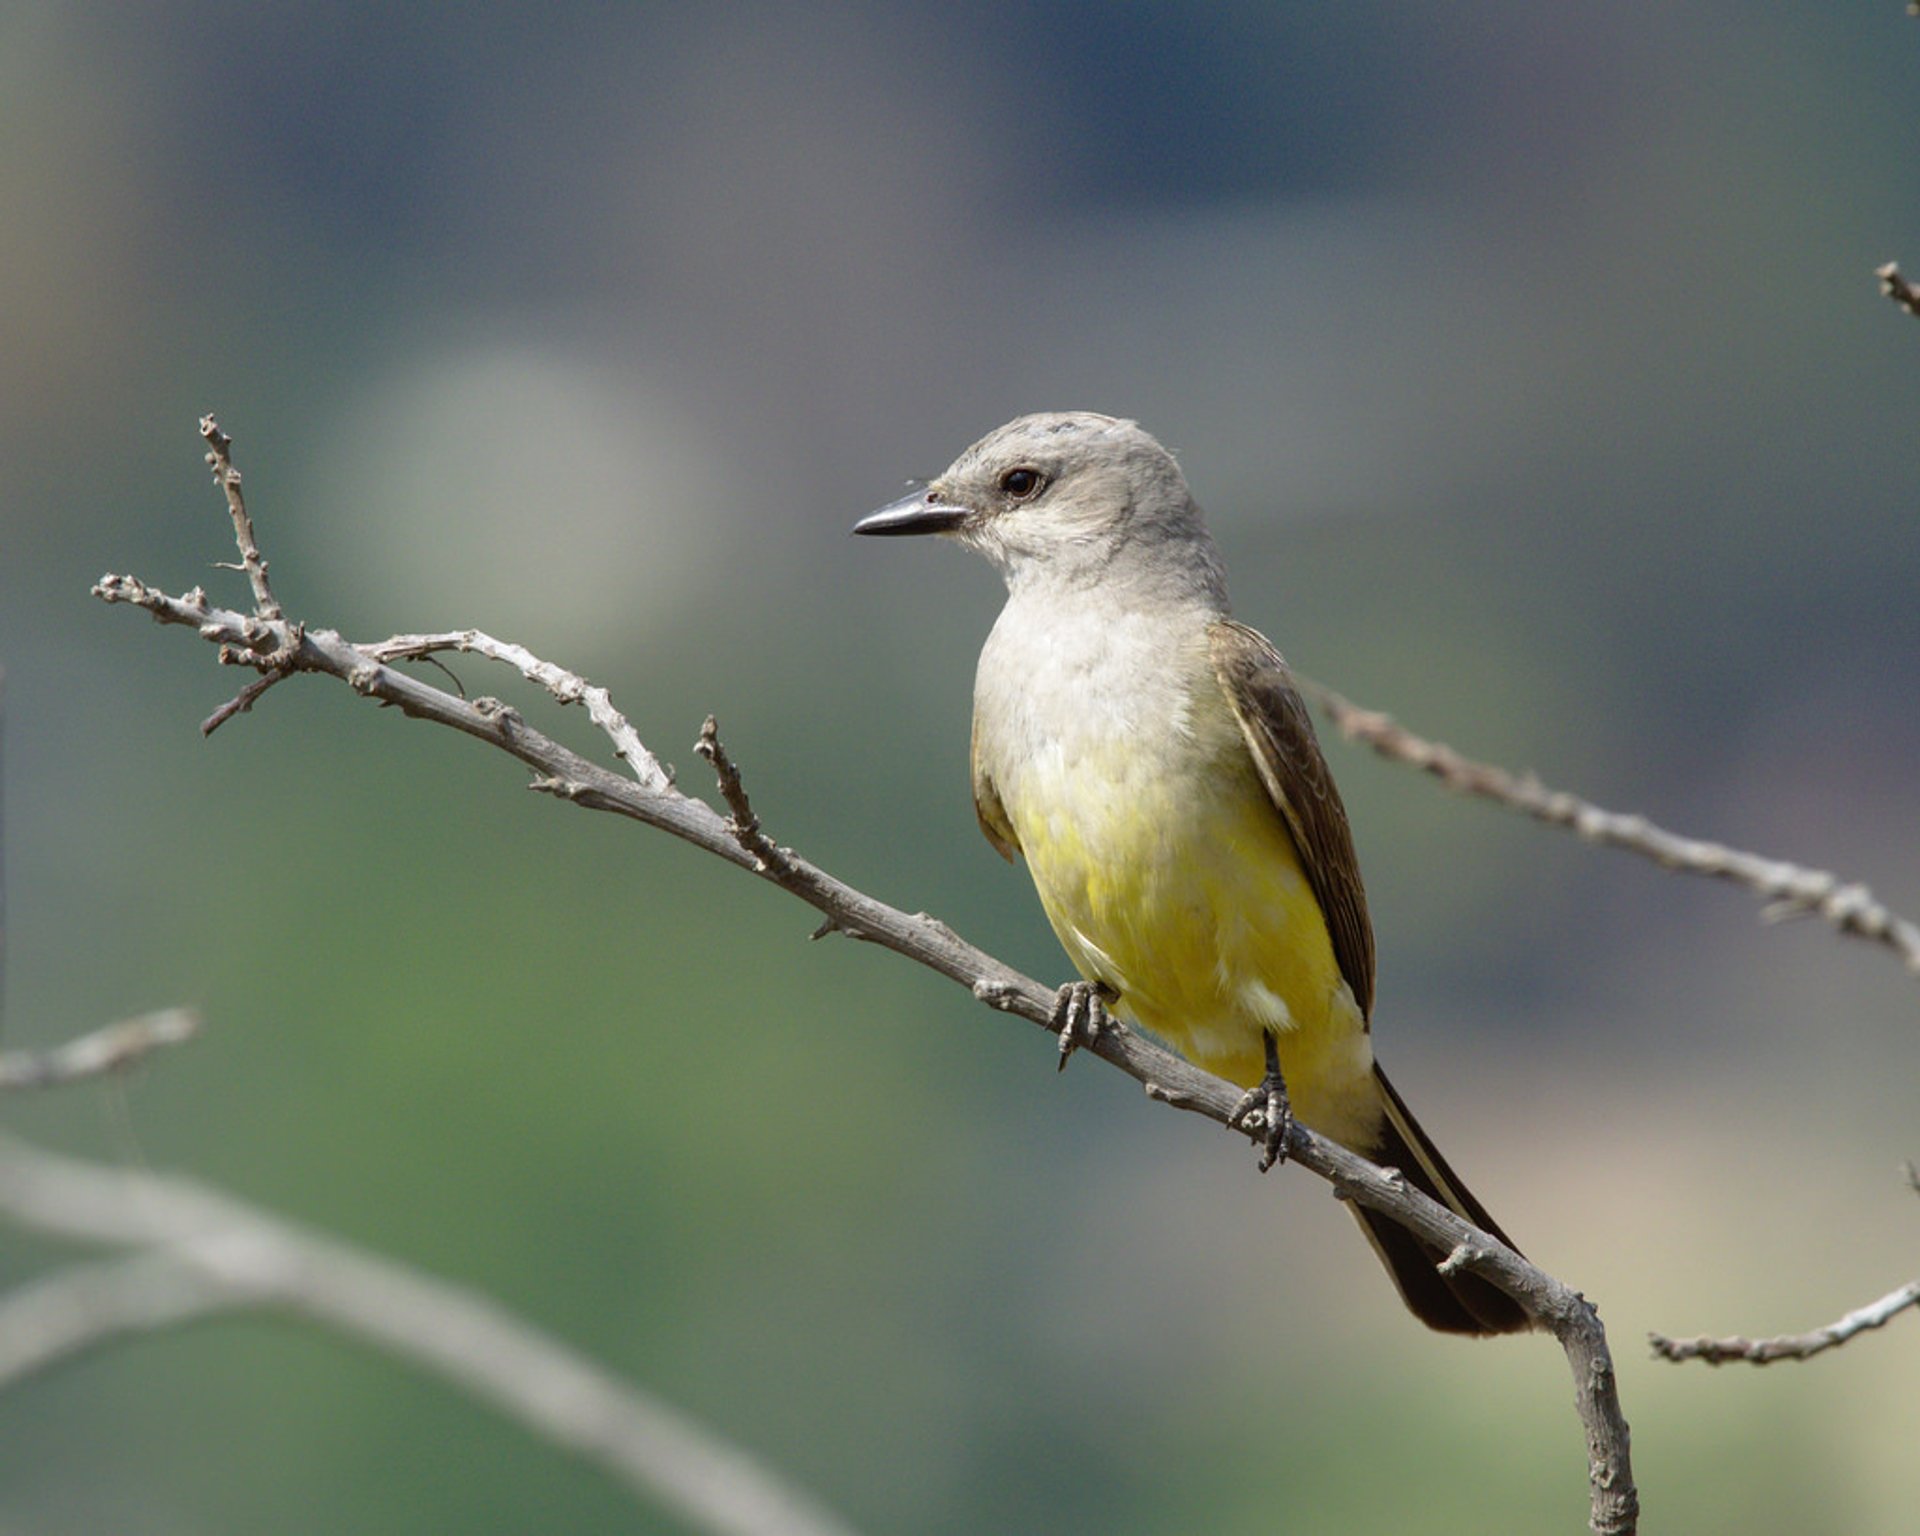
{"x": 1068, "y": 499}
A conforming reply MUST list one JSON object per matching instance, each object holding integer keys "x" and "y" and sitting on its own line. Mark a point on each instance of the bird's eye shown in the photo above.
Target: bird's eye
{"x": 1023, "y": 484}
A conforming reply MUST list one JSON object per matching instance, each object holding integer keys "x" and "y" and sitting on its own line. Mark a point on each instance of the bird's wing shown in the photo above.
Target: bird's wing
{"x": 987, "y": 806}
{"x": 1274, "y": 720}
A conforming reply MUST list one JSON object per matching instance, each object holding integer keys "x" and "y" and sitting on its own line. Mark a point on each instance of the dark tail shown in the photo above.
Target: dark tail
{"x": 1458, "y": 1303}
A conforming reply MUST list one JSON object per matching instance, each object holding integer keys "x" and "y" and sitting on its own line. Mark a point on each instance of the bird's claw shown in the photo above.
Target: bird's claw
{"x": 1079, "y": 1016}
{"x": 1266, "y": 1109}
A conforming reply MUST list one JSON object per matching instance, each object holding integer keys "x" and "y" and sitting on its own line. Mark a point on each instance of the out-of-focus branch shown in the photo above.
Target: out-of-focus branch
{"x": 198, "y": 1254}
{"x": 1791, "y": 1346}
{"x": 1796, "y": 1346}
{"x": 1790, "y": 890}
{"x": 1892, "y": 283}
{"x": 103, "y": 1050}
{"x": 273, "y": 644}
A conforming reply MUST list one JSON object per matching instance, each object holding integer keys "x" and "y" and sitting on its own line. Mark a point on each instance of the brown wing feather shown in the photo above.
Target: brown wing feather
{"x": 987, "y": 806}
{"x": 1279, "y": 733}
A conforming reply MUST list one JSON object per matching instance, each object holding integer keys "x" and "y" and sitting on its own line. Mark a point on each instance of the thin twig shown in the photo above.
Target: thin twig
{"x": 219, "y": 457}
{"x": 1791, "y": 1346}
{"x": 567, "y": 687}
{"x": 199, "y": 1254}
{"x": 1895, "y": 286}
{"x": 242, "y": 701}
{"x": 1789, "y": 889}
{"x": 743, "y": 822}
{"x": 103, "y": 1050}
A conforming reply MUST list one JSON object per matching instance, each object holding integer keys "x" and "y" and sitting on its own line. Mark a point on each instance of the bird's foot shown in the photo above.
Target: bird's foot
{"x": 1266, "y": 1109}
{"x": 1080, "y": 1016}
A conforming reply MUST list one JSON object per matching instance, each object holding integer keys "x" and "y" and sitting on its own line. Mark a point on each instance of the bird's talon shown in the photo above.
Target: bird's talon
{"x": 1273, "y": 1150}
{"x": 1079, "y": 1017}
{"x": 1266, "y": 1109}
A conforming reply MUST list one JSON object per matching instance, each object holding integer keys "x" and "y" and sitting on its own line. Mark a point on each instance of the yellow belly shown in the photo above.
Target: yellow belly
{"x": 1183, "y": 892}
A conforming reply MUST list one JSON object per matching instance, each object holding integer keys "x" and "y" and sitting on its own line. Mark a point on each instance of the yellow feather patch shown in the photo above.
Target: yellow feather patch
{"x": 1197, "y": 912}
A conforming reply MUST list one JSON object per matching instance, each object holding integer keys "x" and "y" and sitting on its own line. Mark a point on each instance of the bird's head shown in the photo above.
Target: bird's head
{"x": 1070, "y": 498}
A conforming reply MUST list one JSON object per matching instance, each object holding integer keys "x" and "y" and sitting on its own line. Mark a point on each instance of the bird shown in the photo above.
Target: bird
{"x": 1152, "y": 760}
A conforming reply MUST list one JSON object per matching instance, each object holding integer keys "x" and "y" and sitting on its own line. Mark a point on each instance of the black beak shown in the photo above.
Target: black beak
{"x": 915, "y": 512}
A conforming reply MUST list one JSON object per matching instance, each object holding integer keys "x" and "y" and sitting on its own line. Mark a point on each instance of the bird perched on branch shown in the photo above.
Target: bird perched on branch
{"x": 1153, "y": 762}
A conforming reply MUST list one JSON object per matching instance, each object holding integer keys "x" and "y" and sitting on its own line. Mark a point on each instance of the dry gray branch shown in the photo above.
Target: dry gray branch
{"x": 1791, "y": 1346}
{"x": 198, "y": 1254}
{"x": 567, "y": 687}
{"x": 275, "y": 644}
{"x": 1790, "y": 890}
{"x": 241, "y": 702}
{"x": 104, "y": 1050}
{"x": 743, "y": 822}
{"x": 252, "y": 562}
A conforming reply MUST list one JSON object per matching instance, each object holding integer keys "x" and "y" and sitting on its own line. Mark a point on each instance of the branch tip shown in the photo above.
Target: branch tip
{"x": 220, "y": 459}
{"x": 1892, "y": 283}
{"x": 107, "y": 1049}
{"x": 242, "y": 701}
{"x": 1791, "y": 1346}
{"x": 742, "y": 821}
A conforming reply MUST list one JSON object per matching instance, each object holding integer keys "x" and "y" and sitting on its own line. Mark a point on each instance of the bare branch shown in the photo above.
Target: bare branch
{"x": 654, "y": 801}
{"x": 219, "y": 458}
{"x": 1789, "y": 889}
{"x": 567, "y": 687}
{"x": 242, "y": 701}
{"x": 1895, "y": 286}
{"x": 103, "y": 1050}
{"x": 201, "y": 1254}
{"x": 744, "y": 823}
{"x": 1792, "y": 1346}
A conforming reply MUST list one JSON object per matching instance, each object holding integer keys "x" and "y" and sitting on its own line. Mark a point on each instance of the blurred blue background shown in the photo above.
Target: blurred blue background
{"x": 1530, "y": 364}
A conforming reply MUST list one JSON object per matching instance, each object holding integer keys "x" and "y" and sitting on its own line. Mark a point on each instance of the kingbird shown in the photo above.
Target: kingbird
{"x": 1153, "y": 761}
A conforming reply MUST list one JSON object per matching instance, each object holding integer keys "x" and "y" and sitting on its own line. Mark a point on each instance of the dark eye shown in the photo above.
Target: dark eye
{"x": 1022, "y": 484}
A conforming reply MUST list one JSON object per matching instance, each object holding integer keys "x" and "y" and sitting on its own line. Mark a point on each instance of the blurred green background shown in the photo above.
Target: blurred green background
{"x": 1530, "y": 364}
